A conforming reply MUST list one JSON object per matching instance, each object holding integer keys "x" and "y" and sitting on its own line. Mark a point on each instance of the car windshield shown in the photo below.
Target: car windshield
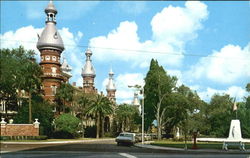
{"x": 125, "y": 135}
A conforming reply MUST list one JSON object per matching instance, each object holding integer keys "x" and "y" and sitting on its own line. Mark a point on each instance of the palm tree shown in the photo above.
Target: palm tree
{"x": 83, "y": 101}
{"x": 65, "y": 94}
{"x": 100, "y": 106}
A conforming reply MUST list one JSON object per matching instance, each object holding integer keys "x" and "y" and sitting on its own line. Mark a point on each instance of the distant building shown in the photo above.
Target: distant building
{"x": 110, "y": 88}
{"x": 66, "y": 71}
{"x": 136, "y": 101}
{"x": 88, "y": 74}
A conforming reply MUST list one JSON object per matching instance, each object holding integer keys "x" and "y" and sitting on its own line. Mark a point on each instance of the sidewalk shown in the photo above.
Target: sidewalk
{"x": 147, "y": 145}
{"x": 57, "y": 142}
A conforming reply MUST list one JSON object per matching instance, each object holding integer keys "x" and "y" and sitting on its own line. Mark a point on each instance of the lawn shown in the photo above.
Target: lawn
{"x": 200, "y": 145}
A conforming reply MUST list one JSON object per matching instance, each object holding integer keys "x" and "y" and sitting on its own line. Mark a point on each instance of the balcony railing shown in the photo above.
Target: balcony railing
{"x": 52, "y": 75}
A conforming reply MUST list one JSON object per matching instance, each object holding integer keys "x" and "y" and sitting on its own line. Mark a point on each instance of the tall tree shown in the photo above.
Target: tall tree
{"x": 220, "y": 114}
{"x": 19, "y": 71}
{"x": 157, "y": 86}
{"x": 101, "y": 105}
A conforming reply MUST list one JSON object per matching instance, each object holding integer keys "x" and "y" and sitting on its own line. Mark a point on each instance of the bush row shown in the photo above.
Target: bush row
{"x": 42, "y": 137}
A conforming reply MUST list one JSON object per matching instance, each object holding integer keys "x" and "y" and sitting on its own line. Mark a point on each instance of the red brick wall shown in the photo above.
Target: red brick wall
{"x": 19, "y": 130}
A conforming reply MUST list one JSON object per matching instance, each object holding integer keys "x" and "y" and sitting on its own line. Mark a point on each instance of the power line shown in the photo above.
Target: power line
{"x": 136, "y": 51}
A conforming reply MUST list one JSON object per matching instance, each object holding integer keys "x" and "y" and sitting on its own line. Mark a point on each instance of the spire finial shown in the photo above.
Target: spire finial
{"x": 51, "y": 12}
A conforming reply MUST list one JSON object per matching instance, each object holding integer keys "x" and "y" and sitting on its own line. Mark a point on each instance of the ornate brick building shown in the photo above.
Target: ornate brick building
{"x": 51, "y": 46}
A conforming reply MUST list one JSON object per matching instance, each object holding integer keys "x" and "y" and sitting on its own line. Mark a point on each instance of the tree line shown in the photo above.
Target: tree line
{"x": 167, "y": 106}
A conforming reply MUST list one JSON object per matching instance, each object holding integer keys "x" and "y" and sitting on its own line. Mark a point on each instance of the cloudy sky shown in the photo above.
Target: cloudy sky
{"x": 205, "y": 44}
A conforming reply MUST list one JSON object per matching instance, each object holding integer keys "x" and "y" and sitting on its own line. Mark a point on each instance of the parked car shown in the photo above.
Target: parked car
{"x": 126, "y": 138}
{"x": 147, "y": 137}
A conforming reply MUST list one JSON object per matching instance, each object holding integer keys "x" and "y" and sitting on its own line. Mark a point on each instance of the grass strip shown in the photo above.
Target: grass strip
{"x": 200, "y": 145}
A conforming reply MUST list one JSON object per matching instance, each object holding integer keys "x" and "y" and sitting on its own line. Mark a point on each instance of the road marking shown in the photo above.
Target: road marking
{"x": 127, "y": 155}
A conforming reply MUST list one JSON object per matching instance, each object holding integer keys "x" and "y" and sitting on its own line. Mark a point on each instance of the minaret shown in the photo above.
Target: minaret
{"x": 88, "y": 74}
{"x": 110, "y": 88}
{"x": 50, "y": 45}
{"x": 66, "y": 70}
{"x": 136, "y": 101}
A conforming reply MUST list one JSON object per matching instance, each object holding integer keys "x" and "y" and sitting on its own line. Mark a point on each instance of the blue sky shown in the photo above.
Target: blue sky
{"x": 205, "y": 44}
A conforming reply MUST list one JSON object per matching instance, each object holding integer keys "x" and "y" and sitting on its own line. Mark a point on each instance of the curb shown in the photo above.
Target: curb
{"x": 58, "y": 142}
{"x": 148, "y": 146}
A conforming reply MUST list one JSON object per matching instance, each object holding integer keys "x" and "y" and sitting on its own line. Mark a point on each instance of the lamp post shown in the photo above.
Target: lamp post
{"x": 141, "y": 89}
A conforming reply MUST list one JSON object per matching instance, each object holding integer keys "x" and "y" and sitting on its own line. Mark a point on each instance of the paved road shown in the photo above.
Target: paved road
{"x": 102, "y": 149}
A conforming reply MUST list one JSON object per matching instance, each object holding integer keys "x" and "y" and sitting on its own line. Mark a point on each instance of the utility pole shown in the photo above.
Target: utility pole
{"x": 141, "y": 90}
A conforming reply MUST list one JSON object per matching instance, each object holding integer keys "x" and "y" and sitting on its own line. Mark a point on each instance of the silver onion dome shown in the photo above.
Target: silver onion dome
{"x": 50, "y": 37}
{"x": 66, "y": 68}
{"x": 88, "y": 69}
{"x": 111, "y": 86}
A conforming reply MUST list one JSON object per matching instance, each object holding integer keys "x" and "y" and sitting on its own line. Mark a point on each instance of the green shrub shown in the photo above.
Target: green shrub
{"x": 67, "y": 126}
{"x": 4, "y": 138}
{"x": 41, "y": 137}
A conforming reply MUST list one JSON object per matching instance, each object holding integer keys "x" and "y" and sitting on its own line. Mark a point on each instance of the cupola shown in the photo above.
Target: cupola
{"x": 50, "y": 37}
{"x": 88, "y": 69}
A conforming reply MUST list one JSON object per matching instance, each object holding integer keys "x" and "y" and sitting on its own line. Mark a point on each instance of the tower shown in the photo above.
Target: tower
{"x": 110, "y": 88}
{"x": 136, "y": 101}
{"x": 88, "y": 74}
{"x": 66, "y": 70}
{"x": 50, "y": 45}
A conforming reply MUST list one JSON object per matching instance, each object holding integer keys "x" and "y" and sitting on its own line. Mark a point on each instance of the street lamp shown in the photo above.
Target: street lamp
{"x": 141, "y": 90}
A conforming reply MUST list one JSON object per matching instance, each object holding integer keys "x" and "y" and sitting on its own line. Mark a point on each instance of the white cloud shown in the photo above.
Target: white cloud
{"x": 123, "y": 93}
{"x": 226, "y": 66}
{"x": 172, "y": 28}
{"x": 233, "y": 91}
{"x": 178, "y": 74}
{"x": 27, "y": 37}
{"x": 176, "y": 23}
{"x": 73, "y": 54}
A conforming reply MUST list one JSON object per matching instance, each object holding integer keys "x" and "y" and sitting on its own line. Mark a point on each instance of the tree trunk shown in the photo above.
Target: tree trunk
{"x": 5, "y": 109}
{"x": 30, "y": 110}
{"x": 102, "y": 134}
{"x": 98, "y": 125}
{"x": 82, "y": 128}
{"x": 158, "y": 122}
